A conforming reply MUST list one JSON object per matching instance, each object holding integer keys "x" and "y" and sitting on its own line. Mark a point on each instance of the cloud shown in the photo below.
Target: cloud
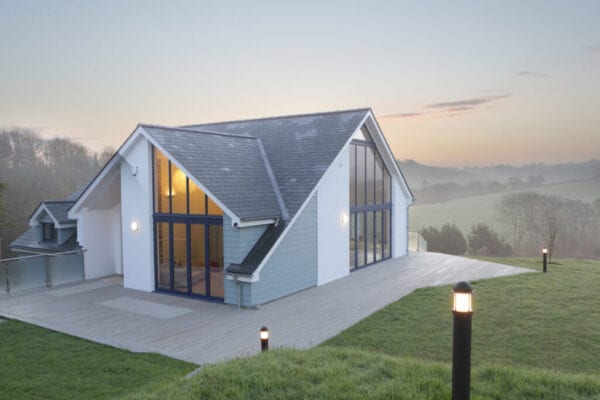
{"x": 466, "y": 104}
{"x": 402, "y": 115}
{"x": 531, "y": 74}
{"x": 448, "y": 109}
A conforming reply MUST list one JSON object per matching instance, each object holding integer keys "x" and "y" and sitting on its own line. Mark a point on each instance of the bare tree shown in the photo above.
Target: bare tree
{"x": 518, "y": 211}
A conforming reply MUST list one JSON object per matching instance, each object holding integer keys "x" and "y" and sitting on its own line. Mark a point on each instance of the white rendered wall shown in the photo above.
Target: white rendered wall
{"x": 136, "y": 206}
{"x": 95, "y": 233}
{"x": 400, "y": 221}
{"x": 334, "y": 236}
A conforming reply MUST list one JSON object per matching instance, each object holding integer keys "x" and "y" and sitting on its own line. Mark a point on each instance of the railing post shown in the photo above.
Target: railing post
{"x": 47, "y": 270}
{"x": 7, "y": 272}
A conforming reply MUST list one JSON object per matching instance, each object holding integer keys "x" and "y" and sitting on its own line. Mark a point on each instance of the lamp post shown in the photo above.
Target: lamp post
{"x": 544, "y": 259}
{"x": 461, "y": 341}
{"x": 264, "y": 339}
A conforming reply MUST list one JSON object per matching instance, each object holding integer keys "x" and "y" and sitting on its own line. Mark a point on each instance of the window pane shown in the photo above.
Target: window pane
{"x": 386, "y": 233}
{"x": 180, "y": 257}
{"x": 370, "y": 176}
{"x": 161, "y": 182}
{"x": 213, "y": 209}
{"x": 162, "y": 255}
{"x": 352, "y": 175}
{"x": 198, "y": 263}
{"x": 178, "y": 190}
{"x": 352, "y": 242}
{"x": 360, "y": 175}
{"x": 370, "y": 238}
{"x": 360, "y": 239}
{"x": 215, "y": 251}
{"x": 378, "y": 236}
{"x": 378, "y": 179}
{"x": 197, "y": 200}
{"x": 386, "y": 186}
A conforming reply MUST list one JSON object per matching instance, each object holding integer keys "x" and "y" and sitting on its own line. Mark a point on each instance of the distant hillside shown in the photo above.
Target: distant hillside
{"x": 420, "y": 175}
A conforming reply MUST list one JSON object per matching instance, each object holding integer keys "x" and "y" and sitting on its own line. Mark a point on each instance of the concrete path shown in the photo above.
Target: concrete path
{"x": 204, "y": 332}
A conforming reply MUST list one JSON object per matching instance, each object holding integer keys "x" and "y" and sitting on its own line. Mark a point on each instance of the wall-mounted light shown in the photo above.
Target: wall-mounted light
{"x": 134, "y": 170}
{"x": 134, "y": 226}
{"x": 344, "y": 219}
{"x": 170, "y": 193}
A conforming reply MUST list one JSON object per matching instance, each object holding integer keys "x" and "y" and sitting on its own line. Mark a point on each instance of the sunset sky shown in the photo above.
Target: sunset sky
{"x": 451, "y": 83}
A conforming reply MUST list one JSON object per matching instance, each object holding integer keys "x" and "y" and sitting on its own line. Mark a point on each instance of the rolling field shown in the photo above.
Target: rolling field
{"x": 468, "y": 211}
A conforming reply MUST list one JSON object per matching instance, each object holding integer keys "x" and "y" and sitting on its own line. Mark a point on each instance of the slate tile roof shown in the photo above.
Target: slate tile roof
{"x": 299, "y": 148}
{"x": 28, "y": 242}
{"x": 231, "y": 167}
{"x": 59, "y": 210}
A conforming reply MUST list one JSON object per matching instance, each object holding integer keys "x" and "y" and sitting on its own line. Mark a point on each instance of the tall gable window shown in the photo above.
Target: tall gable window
{"x": 188, "y": 229}
{"x": 370, "y": 202}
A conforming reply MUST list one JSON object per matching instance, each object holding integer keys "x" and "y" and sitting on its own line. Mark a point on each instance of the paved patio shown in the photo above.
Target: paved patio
{"x": 203, "y": 332}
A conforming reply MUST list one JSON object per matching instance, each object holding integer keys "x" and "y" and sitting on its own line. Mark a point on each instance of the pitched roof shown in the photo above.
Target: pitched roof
{"x": 299, "y": 148}
{"x": 28, "y": 241}
{"x": 232, "y": 167}
{"x": 59, "y": 210}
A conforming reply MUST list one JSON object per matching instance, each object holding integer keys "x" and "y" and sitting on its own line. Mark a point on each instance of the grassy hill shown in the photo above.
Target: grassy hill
{"x": 471, "y": 210}
{"x": 534, "y": 337}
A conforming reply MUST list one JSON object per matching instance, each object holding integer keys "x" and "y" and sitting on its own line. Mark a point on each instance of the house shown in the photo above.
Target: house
{"x": 245, "y": 212}
{"x": 50, "y": 230}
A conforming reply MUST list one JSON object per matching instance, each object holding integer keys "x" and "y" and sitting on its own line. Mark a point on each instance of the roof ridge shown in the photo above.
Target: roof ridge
{"x": 281, "y": 116}
{"x": 184, "y": 129}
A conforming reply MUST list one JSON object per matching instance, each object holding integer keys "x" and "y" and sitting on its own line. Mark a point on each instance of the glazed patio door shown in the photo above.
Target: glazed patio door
{"x": 189, "y": 257}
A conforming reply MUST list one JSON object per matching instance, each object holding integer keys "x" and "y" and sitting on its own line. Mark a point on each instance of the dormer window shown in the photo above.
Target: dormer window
{"x": 48, "y": 231}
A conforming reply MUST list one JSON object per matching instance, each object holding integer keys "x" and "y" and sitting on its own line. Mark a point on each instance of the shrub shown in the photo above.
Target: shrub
{"x": 484, "y": 241}
{"x": 449, "y": 240}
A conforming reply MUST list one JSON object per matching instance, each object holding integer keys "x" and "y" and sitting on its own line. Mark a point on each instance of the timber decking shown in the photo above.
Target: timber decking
{"x": 105, "y": 312}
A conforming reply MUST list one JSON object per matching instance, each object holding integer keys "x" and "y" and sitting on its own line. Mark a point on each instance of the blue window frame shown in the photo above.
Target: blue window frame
{"x": 370, "y": 203}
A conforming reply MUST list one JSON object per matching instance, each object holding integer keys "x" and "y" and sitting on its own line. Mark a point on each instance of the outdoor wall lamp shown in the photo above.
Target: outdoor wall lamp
{"x": 544, "y": 259}
{"x": 134, "y": 226}
{"x": 461, "y": 341}
{"x": 264, "y": 339}
{"x": 344, "y": 219}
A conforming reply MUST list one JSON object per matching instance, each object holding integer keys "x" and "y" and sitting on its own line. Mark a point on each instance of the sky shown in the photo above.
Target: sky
{"x": 451, "y": 83}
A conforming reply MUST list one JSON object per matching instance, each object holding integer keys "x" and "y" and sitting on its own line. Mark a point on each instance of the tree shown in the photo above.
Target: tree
{"x": 449, "y": 240}
{"x": 518, "y": 211}
{"x": 3, "y": 217}
{"x": 485, "y": 242}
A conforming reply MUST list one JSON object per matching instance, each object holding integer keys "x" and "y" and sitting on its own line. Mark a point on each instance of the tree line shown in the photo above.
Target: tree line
{"x": 570, "y": 228}
{"x": 32, "y": 169}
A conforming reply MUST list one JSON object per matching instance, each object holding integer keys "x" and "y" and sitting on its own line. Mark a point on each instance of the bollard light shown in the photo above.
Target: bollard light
{"x": 545, "y": 259}
{"x": 462, "y": 309}
{"x": 264, "y": 338}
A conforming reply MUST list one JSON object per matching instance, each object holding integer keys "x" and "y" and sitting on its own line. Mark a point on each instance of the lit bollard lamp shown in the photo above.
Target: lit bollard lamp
{"x": 264, "y": 339}
{"x": 544, "y": 259}
{"x": 461, "y": 341}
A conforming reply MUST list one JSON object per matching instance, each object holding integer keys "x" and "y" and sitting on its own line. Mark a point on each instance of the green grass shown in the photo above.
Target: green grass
{"x": 535, "y": 336}
{"x": 37, "y": 363}
{"x": 347, "y": 373}
{"x": 469, "y": 211}
{"x": 534, "y": 320}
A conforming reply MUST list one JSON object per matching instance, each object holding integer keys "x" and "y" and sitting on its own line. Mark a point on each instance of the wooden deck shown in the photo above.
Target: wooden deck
{"x": 203, "y": 332}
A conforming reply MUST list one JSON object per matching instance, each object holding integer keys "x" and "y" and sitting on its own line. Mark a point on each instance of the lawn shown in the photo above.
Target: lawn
{"x": 37, "y": 363}
{"x": 535, "y": 336}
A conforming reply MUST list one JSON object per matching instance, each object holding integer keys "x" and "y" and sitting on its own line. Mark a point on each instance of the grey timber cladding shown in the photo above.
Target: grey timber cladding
{"x": 231, "y": 167}
{"x": 299, "y": 148}
{"x": 293, "y": 266}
